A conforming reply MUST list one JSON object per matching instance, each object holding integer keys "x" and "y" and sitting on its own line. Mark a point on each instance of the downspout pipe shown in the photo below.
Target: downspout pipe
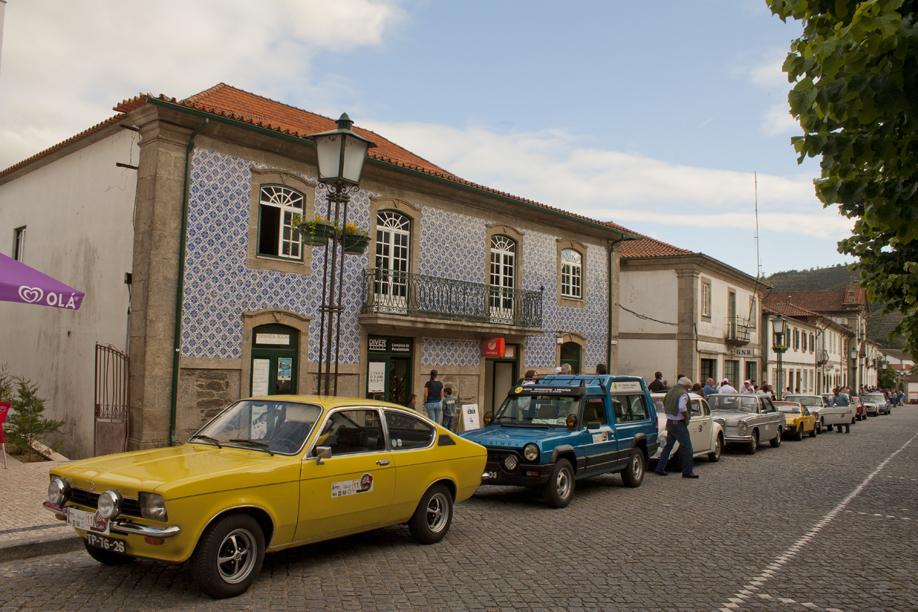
{"x": 180, "y": 286}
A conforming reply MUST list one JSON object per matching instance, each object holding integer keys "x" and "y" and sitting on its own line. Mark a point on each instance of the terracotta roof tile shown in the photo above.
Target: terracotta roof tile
{"x": 233, "y": 103}
{"x": 650, "y": 247}
{"x": 62, "y": 144}
{"x": 774, "y": 304}
{"x": 831, "y": 300}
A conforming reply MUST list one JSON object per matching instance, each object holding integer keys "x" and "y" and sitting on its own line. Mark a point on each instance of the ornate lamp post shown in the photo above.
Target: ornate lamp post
{"x": 341, "y": 154}
{"x": 779, "y": 345}
{"x": 854, "y": 358}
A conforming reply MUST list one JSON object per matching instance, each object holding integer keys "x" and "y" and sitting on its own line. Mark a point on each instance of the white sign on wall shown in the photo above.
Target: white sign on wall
{"x": 275, "y": 339}
{"x": 470, "y": 417}
{"x": 376, "y": 377}
{"x": 260, "y": 370}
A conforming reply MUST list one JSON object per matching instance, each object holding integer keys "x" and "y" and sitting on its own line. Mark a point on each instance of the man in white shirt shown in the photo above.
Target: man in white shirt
{"x": 726, "y": 387}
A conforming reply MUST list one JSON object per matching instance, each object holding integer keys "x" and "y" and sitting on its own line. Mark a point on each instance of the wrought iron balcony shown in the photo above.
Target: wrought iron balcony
{"x": 737, "y": 331}
{"x": 417, "y": 295}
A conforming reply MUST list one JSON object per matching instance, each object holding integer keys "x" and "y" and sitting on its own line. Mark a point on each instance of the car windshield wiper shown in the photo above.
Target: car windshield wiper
{"x": 254, "y": 444}
{"x": 206, "y": 439}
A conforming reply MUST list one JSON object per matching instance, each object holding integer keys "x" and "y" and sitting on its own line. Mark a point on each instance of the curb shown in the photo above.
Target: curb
{"x": 37, "y": 547}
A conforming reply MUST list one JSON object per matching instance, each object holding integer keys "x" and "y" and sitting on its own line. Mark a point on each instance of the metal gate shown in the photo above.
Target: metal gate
{"x": 111, "y": 401}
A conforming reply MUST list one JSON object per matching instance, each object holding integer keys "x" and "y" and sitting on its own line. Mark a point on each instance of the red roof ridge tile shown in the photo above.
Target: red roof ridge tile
{"x": 62, "y": 144}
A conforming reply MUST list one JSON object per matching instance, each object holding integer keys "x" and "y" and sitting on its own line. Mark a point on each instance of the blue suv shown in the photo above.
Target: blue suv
{"x": 554, "y": 432}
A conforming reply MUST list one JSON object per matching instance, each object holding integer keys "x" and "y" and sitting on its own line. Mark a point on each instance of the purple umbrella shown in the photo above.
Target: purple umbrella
{"x": 20, "y": 283}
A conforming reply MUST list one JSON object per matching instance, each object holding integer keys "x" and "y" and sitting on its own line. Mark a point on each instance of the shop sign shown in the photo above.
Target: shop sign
{"x": 376, "y": 377}
{"x": 470, "y": 417}
{"x": 383, "y": 344}
{"x": 495, "y": 347}
{"x": 744, "y": 352}
{"x": 273, "y": 339}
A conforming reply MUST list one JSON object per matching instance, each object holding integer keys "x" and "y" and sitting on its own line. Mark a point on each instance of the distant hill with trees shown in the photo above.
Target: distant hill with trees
{"x": 838, "y": 277}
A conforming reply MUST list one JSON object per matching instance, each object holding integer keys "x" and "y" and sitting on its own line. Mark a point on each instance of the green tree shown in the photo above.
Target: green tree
{"x": 886, "y": 378}
{"x": 26, "y": 420}
{"x": 855, "y": 92}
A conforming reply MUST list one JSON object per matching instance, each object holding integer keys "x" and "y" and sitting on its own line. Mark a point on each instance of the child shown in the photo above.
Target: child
{"x": 412, "y": 402}
{"x": 449, "y": 408}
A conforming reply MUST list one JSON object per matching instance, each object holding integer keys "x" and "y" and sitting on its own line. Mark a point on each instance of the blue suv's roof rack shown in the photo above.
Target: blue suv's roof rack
{"x": 582, "y": 380}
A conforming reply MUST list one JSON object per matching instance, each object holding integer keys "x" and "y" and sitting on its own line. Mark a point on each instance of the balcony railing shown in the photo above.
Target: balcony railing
{"x": 418, "y": 295}
{"x": 738, "y": 330}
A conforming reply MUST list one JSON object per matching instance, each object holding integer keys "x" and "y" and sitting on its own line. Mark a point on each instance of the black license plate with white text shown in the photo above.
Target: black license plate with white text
{"x": 106, "y": 543}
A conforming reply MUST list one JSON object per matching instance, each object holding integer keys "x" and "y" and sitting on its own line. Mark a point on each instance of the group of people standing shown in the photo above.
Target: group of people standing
{"x": 439, "y": 403}
{"x": 710, "y": 387}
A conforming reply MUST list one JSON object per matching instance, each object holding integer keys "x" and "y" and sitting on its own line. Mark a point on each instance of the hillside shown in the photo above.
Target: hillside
{"x": 837, "y": 277}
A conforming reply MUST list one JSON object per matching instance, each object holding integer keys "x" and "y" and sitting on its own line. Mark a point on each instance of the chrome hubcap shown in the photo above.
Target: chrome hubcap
{"x": 236, "y": 556}
{"x": 563, "y": 484}
{"x": 636, "y": 467}
{"x": 437, "y": 512}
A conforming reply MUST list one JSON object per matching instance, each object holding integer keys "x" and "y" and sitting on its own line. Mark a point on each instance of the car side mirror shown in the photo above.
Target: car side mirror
{"x": 323, "y": 452}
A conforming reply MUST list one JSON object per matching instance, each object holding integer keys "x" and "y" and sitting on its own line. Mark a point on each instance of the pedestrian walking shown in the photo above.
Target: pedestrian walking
{"x": 676, "y": 405}
{"x": 450, "y": 404}
{"x": 748, "y": 388}
{"x": 840, "y": 398}
{"x": 433, "y": 397}
{"x": 657, "y": 386}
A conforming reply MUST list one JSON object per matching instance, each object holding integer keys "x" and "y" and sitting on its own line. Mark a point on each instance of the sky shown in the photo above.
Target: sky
{"x": 655, "y": 115}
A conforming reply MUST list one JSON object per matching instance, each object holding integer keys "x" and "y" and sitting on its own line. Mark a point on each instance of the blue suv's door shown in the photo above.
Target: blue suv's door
{"x": 632, "y": 415}
{"x": 601, "y": 452}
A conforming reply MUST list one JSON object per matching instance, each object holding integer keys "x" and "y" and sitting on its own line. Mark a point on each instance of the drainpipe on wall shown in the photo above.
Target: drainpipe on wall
{"x": 180, "y": 285}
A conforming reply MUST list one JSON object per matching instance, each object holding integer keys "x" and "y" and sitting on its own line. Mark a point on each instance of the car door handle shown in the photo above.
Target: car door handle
{"x": 382, "y": 462}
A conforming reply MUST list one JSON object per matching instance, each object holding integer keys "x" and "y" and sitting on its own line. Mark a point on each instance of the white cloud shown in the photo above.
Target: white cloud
{"x": 769, "y": 76}
{"x": 778, "y": 120}
{"x": 551, "y": 166}
{"x": 65, "y": 64}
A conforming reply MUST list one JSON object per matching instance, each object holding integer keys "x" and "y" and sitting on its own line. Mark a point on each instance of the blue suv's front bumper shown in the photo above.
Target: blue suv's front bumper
{"x": 498, "y": 470}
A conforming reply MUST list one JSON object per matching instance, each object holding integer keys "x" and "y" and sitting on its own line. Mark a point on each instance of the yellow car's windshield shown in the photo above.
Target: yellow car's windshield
{"x": 261, "y": 425}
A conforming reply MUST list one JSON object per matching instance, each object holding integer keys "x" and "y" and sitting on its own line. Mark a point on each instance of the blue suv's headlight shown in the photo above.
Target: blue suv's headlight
{"x": 531, "y": 452}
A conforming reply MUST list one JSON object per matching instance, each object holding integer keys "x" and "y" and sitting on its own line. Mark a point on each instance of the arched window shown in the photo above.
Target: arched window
{"x": 393, "y": 244}
{"x": 571, "y": 274}
{"x": 502, "y": 277}
{"x": 276, "y": 235}
{"x": 571, "y": 354}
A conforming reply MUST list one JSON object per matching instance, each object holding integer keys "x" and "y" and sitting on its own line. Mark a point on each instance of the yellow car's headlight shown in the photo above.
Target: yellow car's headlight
{"x": 153, "y": 506}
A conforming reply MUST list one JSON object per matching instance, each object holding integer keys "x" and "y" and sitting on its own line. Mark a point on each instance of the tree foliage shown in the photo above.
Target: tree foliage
{"x": 855, "y": 92}
{"x": 27, "y": 422}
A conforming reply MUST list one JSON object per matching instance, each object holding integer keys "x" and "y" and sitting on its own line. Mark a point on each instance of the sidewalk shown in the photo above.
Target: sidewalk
{"x": 27, "y": 529}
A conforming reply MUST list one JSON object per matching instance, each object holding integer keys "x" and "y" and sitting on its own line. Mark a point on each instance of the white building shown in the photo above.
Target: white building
{"x": 687, "y": 313}
{"x": 66, "y": 210}
{"x": 816, "y": 358}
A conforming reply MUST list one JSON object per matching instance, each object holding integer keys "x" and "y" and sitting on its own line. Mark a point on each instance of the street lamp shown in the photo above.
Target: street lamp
{"x": 779, "y": 345}
{"x": 854, "y": 356}
{"x": 341, "y": 154}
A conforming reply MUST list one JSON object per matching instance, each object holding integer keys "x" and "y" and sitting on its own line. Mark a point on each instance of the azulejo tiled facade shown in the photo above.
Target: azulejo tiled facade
{"x": 219, "y": 287}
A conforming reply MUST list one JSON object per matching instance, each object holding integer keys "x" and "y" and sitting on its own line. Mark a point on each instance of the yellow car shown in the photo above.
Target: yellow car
{"x": 797, "y": 419}
{"x": 267, "y": 474}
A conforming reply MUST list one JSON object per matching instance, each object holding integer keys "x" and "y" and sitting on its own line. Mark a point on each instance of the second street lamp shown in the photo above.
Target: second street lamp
{"x": 341, "y": 154}
{"x": 779, "y": 345}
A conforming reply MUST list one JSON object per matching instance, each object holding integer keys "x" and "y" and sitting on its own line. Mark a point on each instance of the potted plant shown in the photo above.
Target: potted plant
{"x": 354, "y": 240}
{"x": 315, "y": 232}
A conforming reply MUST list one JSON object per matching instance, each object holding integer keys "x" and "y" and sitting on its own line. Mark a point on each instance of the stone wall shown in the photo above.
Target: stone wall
{"x": 202, "y": 394}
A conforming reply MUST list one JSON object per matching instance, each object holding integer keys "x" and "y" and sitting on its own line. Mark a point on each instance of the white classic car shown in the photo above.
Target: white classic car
{"x": 707, "y": 434}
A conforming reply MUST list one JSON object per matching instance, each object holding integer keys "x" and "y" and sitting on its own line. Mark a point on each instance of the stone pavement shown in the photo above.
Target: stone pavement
{"x": 827, "y": 523}
{"x": 23, "y": 488}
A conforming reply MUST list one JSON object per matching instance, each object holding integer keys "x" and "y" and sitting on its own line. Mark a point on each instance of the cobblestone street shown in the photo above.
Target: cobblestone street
{"x": 826, "y": 523}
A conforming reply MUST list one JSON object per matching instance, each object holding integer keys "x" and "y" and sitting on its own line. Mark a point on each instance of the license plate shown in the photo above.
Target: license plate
{"x": 87, "y": 521}
{"x": 110, "y": 544}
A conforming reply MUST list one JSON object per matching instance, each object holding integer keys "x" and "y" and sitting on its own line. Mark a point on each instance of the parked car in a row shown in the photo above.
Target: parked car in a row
{"x": 798, "y": 421}
{"x": 829, "y": 415}
{"x": 707, "y": 433}
{"x": 748, "y": 419}
{"x": 876, "y": 404}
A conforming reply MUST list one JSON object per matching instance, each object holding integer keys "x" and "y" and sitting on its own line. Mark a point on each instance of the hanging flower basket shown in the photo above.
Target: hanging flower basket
{"x": 355, "y": 244}
{"x": 315, "y": 232}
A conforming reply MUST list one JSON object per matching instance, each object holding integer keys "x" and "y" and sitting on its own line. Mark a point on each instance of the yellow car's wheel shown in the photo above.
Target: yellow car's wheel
{"x": 229, "y": 556}
{"x": 433, "y": 516}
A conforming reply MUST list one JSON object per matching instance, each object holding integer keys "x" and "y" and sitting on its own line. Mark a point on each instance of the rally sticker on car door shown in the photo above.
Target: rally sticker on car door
{"x": 352, "y": 487}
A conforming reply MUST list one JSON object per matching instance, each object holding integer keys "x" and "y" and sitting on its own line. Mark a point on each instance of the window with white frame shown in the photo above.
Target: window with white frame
{"x": 393, "y": 243}
{"x": 571, "y": 274}
{"x": 276, "y": 235}
{"x": 19, "y": 243}
{"x": 706, "y": 298}
{"x": 502, "y": 277}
